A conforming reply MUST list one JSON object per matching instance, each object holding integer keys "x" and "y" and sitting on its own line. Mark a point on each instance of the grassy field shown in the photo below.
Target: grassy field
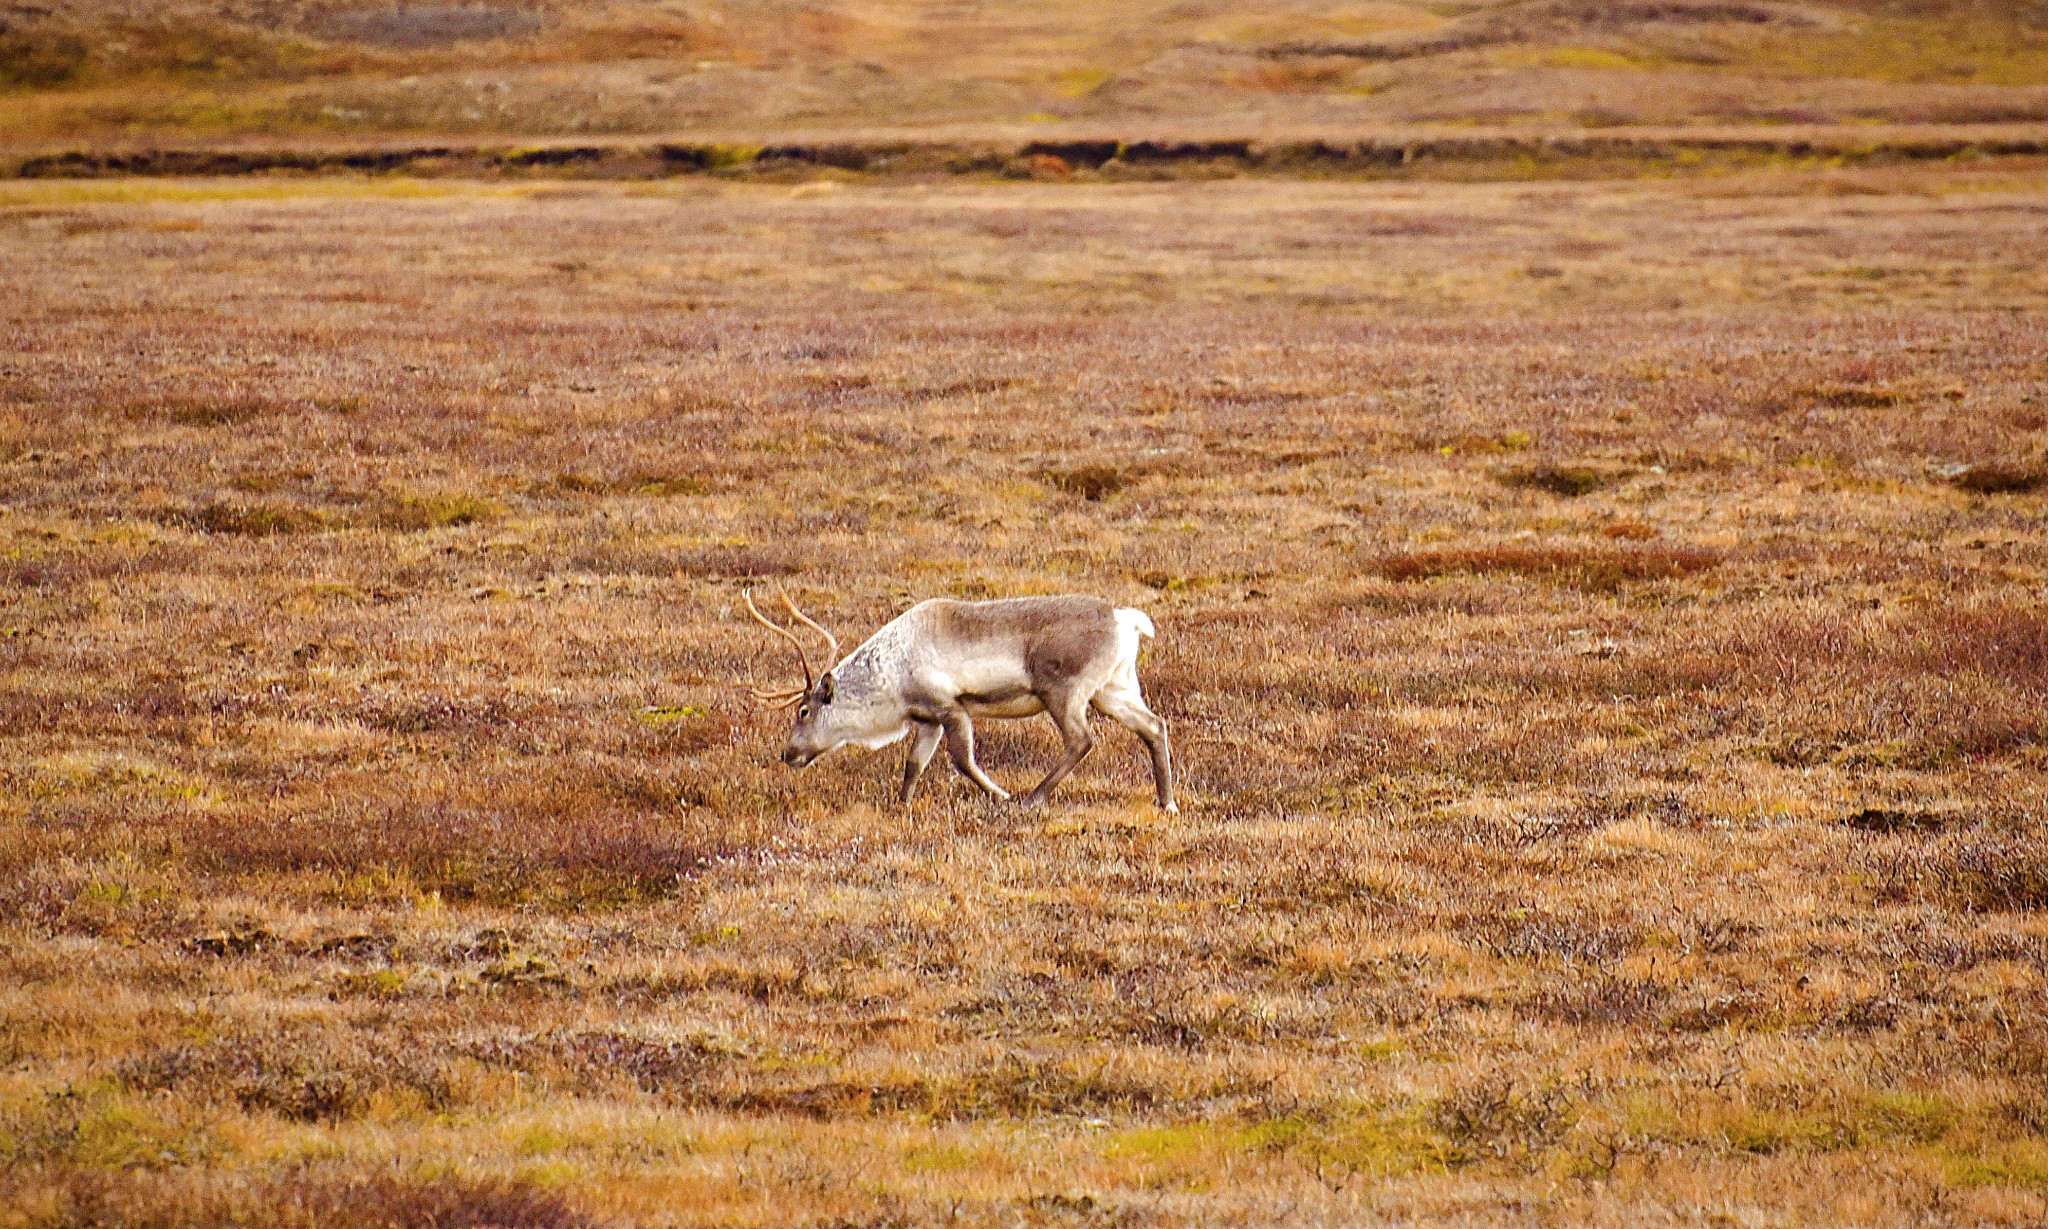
{"x": 1603, "y": 626}
{"x": 95, "y": 70}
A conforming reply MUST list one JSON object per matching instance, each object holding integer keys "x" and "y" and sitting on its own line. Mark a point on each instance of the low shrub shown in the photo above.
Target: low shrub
{"x": 1569, "y": 480}
{"x": 1497, "y": 1117}
{"x": 1982, "y": 868}
{"x": 2008, "y": 478}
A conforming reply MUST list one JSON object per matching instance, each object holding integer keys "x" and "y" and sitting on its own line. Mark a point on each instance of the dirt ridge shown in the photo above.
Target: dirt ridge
{"x": 1137, "y": 157}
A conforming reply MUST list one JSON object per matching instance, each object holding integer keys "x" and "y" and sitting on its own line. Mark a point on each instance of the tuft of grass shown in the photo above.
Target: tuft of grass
{"x": 665, "y": 714}
{"x": 2016, "y": 1165}
{"x": 2003, "y": 478}
{"x": 1854, "y": 396}
{"x": 1090, "y": 482}
{"x": 216, "y": 413}
{"x": 1771, "y": 1132}
{"x": 667, "y": 486}
{"x": 418, "y": 513}
{"x": 1375, "y": 1145}
{"x": 575, "y": 484}
{"x": 371, "y": 984}
{"x": 1590, "y": 568}
{"x": 1909, "y": 1116}
{"x": 1567, "y": 479}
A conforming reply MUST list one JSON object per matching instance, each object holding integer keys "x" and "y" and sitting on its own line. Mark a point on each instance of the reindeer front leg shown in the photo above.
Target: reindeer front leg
{"x": 924, "y": 745}
{"x": 960, "y": 745}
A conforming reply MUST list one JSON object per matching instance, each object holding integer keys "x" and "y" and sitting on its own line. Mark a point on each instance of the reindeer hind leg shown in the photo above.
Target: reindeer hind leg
{"x": 1070, "y": 713}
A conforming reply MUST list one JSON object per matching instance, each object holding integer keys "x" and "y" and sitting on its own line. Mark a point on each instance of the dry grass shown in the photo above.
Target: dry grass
{"x": 112, "y": 69}
{"x": 385, "y": 840}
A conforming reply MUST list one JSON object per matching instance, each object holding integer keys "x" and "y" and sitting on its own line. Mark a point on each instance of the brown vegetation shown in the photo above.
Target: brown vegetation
{"x": 385, "y": 837}
{"x": 95, "y": 70}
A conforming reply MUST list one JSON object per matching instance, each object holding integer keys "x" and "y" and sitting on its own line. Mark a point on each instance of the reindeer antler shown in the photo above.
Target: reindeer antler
{"x": 780, "y": 698}
{"x": 805, "y": 619}
{"x": 776, "y": 699}
{"x": 785, "y": 698}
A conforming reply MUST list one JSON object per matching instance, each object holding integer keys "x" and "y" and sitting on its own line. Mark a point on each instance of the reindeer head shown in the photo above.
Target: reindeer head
{"x": 816, "y": 729}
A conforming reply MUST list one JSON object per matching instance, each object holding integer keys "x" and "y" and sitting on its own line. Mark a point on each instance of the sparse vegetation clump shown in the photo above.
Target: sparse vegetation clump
{"x": 386, "y": 837}
{"x": 2004, "y": 478}
{"x": 413, "y": 513}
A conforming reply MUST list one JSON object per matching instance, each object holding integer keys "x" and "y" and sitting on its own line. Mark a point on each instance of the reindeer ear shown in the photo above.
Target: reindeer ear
{"x": 825, "y": 689}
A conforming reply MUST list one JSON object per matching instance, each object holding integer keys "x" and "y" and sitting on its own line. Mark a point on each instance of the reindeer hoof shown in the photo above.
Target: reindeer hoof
{"x": 1171, "y": 808}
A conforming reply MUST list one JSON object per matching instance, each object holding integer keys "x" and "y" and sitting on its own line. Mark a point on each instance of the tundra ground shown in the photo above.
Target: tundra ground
{"x": 1603, "y": 628}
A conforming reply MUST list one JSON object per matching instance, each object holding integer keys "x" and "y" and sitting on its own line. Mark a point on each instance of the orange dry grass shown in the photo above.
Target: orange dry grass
{"x": 1612, "y": 720}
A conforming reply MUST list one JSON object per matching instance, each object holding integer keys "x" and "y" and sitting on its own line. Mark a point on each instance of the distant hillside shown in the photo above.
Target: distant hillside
{"x": 72, "y": 69}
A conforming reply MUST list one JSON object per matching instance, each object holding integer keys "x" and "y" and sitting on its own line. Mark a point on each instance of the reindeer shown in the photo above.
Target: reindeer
{"x": 940, "y": 664}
